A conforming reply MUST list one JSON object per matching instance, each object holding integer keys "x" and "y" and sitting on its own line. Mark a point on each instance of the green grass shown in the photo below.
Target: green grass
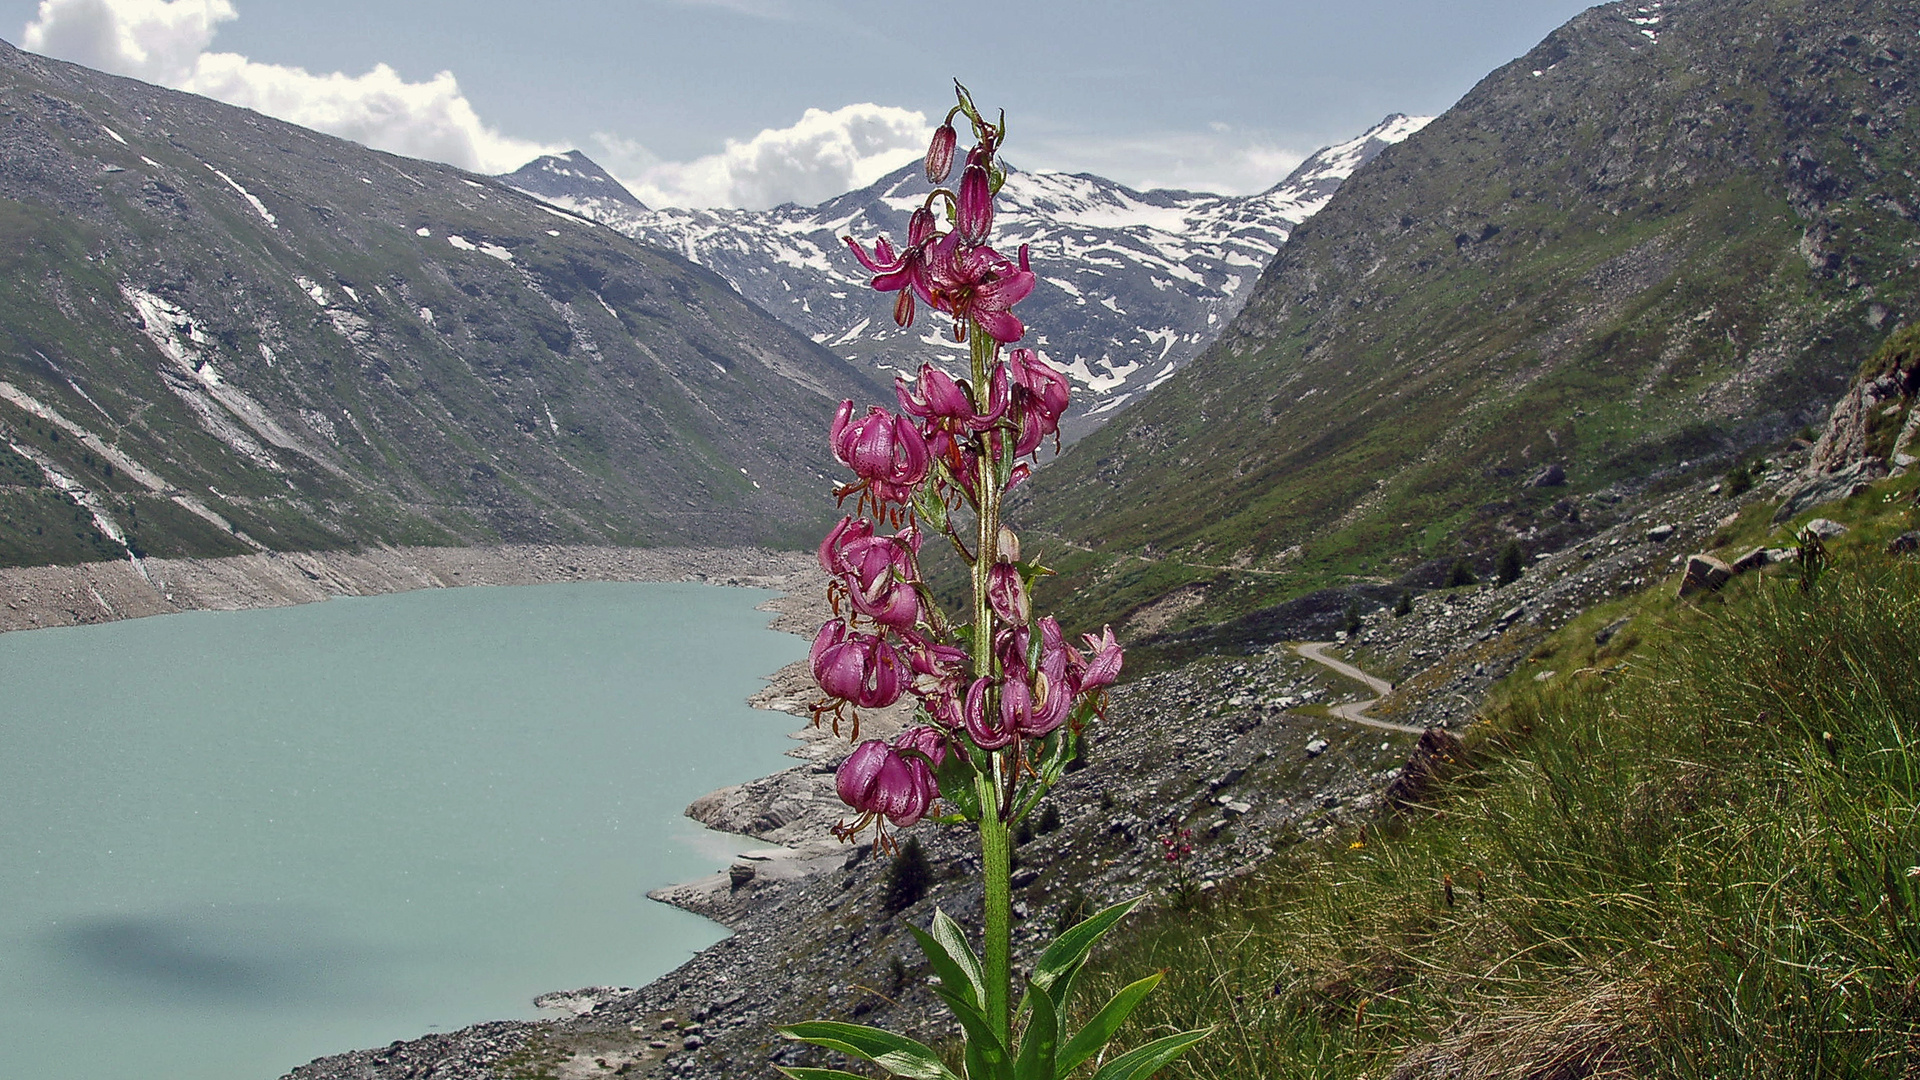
{"x": 1701, "y": 861}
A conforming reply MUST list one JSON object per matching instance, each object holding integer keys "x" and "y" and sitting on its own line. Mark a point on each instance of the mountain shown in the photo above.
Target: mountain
{"x": 577, "y": 181}
{"x": 222, "y": 333}
{"x": 1664, "y": 237}
{"x": 1133, "y": 284}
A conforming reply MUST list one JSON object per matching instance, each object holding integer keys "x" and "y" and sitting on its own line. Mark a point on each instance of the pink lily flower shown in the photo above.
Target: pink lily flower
{"x": 887, "y": 452}
{"x": 944, "y": 405}
{"x": 1008, "y": 593}
{"x": 982, "y": 730}
{"x": 857, "y": 668}
{"x": 1104, "y": 667}
{"x": 1041, "y": 393}
{"x": 906, "y": 273}
{"x": 973, "y": 281}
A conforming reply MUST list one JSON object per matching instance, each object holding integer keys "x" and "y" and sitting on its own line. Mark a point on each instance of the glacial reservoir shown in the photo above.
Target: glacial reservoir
{"x": 234, "y": 841}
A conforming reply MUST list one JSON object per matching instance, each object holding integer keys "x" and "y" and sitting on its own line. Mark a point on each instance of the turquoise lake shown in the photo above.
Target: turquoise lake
{"x": 231, "y": 842}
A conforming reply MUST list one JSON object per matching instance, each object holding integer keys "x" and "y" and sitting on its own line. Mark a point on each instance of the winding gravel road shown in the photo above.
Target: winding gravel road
{"x": 1355, "y": 711}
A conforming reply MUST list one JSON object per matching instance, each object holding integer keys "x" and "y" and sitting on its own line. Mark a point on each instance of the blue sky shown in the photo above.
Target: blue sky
{"x": 706, "y": 102}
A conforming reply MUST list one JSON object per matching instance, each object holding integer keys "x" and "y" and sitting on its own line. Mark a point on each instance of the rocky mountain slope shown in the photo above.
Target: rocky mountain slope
{"x": 220, "y": 333}
{"x": 1133, "y": 284}
{"x": 1666, "y": 234}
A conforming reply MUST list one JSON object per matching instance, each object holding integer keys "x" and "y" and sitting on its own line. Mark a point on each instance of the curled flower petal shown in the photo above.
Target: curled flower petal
{"x": 1007, "y": 592}
{"x": 983, "y": 731}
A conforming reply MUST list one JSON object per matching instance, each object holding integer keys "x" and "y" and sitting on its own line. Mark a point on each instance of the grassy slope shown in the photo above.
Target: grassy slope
{"x": 1695, "y": 858}
{"x": 1612, "y": 265}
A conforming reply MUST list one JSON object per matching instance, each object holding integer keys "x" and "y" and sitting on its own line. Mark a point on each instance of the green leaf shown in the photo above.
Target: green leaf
{"x": 1038, "y": 1043}
{"x": 953, "y": 959}
{"x": 818, "y": 1074}
{"x": 1070, "y": 948}
{"x": 897, "y": 1054}
{"x": 1142, "y": 1061}
{"x": 956, "y": 779}
{"x": 931, "y": 508}
{"x": 986, "y": 1057}
{"x": 1104, "y": 1024}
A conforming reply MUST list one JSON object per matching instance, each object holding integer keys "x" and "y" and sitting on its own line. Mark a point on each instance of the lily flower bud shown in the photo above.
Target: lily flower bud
{"x": 940, "y": 153}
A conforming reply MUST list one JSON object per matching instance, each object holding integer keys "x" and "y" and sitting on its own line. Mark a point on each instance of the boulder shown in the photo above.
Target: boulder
{"x": 1551, "y": 476}
{"x": 1907, "y": 543}
{"x": 1752, "y": 560}
{"x": 1824, "y": 528}
{"x": 1704, "y": 574}
{"x": 1660, "y": 534}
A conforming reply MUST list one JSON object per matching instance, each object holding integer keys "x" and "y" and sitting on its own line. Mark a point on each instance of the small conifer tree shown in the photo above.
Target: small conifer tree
{"x": 1461, "y": 574}
{"x": 1510, "y": 563}
{"x": 908, "y": 877}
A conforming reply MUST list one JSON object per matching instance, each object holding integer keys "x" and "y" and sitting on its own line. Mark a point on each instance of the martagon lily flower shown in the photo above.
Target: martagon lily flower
{"x": 887, "y": 452}
{"x": 905, "y": 274}
{"x": 973, "y": 281}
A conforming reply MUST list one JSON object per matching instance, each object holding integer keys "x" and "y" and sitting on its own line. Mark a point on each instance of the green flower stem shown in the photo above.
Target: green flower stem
{"x": 994, "y": 864}
{"x": 994, "y": 848}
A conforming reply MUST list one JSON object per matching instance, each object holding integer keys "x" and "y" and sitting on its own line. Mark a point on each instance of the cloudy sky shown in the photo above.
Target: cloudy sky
{"x": 757, "y": 102}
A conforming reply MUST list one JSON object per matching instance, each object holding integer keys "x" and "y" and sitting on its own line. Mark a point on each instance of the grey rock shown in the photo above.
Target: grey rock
{"x": 1752, "y": 560}
{"x": 1606, "y": 633}
{"x": 1551, "y": 476}
{"x": 1907, "y": 543}
{"x": 1825, "y": 528}
{"x": 1660, "y": 534}
{"x": 1316, "y": 748}
{"x": 1704, "y": 574}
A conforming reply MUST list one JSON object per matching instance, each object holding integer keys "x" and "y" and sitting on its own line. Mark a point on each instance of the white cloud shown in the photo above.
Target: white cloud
{"x": 823, "y": 155}
{"x": 155, "y": 40}
{"x": 165, "y": 41}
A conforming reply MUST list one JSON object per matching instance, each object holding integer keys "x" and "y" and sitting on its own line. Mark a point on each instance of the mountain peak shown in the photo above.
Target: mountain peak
{"x": 1323, "y": 172}
{"x": 573, "y": 178}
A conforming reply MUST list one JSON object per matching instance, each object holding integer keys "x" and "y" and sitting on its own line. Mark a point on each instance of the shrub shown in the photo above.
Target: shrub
{"x": 908, "y": 877}
{"x": 1511, "y": 563}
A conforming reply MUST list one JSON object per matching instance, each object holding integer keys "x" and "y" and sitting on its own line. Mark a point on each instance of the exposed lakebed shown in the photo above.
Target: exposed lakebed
{"x": 233, "y": 841}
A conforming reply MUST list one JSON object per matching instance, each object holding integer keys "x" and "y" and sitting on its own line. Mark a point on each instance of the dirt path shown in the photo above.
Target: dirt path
{"x": 1355, "y": 711}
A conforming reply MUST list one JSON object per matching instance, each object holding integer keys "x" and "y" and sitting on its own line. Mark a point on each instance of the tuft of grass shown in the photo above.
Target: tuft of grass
{"x": 1700, "y": 861}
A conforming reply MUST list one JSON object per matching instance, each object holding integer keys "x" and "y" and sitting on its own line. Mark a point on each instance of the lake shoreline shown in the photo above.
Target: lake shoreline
{"x": 38, "y": 597}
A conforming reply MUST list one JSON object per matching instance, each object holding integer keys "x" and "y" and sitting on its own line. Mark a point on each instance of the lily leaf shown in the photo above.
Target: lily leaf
{"x": 1038, "y": 1044}
{"x": 956, "y": 779}
{"x": 986, "y": 1058}
{"x": 952, "y": 959}
{"x": 1142, "y": 1061}
{"x": 931, "y": 508}
{"x": 1105, "y": 1023}
{"x": 897, "y": 1054}
{"x": 1070, "y": 948}
{"x": 818, "y": 1074}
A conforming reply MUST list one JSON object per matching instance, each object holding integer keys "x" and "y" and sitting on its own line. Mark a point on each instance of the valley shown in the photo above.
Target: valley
{"x": 1510, "y": 517}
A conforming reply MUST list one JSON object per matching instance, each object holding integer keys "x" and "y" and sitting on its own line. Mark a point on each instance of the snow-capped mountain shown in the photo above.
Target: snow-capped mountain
{"x": 1132, "y": 284}
{"x": 576, "y": 180}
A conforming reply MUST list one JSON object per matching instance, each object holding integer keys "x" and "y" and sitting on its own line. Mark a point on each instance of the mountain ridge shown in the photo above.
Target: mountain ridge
{"x": 1133, "y": 284}
{"x": 1649, "y": 244}
{"x": 222, "y": 333}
